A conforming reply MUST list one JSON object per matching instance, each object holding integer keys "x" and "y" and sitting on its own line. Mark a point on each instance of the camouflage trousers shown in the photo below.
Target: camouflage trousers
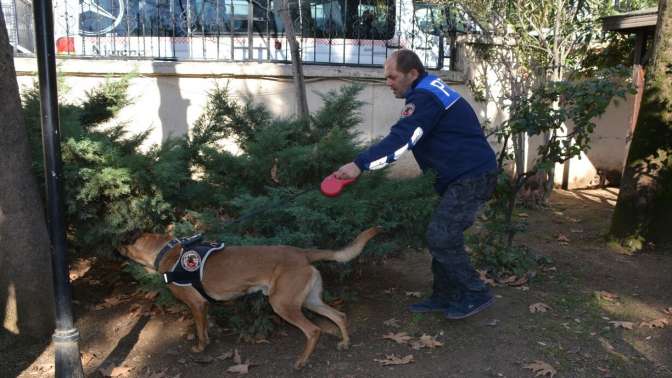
{"x": 452, "y": 270}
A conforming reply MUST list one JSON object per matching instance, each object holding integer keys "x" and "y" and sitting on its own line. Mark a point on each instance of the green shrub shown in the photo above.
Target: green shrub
{"x": 112, "y": 187}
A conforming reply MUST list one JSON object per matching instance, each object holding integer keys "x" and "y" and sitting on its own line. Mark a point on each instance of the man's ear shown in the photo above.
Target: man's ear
{"x": 414, "y": 73}
{"x": 170, "y": 229}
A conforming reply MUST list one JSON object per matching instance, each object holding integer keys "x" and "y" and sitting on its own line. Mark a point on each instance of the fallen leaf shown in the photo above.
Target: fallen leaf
{"x": 400, "y": 338}
{"x": 539, "y": 307}
{"x": 562, "y": 238}
{"x": 115, "y": 371}
{"x": 622, "y": 324}
{"x": 549, "y": 269}
{"x": 523, "y": 215}
{"x": 484, "y": 277}
{"x": 151, "y": 295}
{"x": 668, "y": 311}
{"x": 493, "y": 322}
{"x": 521, "y": 281}
{"x": 336, "y": 302}
{"x": 203, "y": 360}
{"x": 159, "y": 374}
{"x": 576, "y": 230}
{"x": 656, "y": 323}
{"x": 392, "y": 359}
{"x": 225, "y": 356}
{"x": 109, "y": 302}
{"x": 541, "y": 368}
{"x": 236, "y": 357}
{"x": 416, "y": 294}
{"x": 87, "y": 357}
{"x": 508, "y": 280}
{"x": 136, "y": 310}
{"x": 426, "y": 341}
{"x": 174, "y": 309}
{"x": 240, "y": 369}
{"x": 392, "y": 323}
{"x": 607, "y": 296}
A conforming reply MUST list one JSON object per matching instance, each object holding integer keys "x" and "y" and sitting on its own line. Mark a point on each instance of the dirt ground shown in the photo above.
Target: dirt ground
{"x": 607, "y": 315}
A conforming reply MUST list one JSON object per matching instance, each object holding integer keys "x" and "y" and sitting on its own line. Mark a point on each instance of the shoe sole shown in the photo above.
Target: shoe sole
{"x": 418, "y": 311}
{"x": 472, "y": 312}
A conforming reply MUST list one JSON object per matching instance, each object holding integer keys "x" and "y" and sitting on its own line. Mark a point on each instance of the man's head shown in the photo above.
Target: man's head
{"x": 401, "y": 70}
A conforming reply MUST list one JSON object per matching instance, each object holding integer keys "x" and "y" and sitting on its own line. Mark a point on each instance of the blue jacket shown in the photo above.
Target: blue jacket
{"x": 441, "y": 129}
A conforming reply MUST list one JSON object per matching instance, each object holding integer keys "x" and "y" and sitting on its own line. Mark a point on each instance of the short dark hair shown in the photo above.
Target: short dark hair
{"x": 407, "y": 60}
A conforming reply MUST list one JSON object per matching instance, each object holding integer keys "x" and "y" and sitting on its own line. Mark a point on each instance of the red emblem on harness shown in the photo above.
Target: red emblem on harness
{"x": 408, "y": 110}
{"x": 190, "y": 261}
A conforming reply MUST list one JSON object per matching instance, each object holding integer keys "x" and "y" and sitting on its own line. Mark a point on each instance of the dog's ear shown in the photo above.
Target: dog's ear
{"x": 170, "y": 229}
{"x": 129, "y": 237}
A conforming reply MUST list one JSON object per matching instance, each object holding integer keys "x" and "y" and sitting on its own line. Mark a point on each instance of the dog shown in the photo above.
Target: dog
{"x": 281, "y": 272}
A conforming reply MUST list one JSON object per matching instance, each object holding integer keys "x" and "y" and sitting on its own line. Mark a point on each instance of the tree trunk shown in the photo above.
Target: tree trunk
{"x": 26, "y": 293}
{"x": 297, "y": 65}
{"x": 644, "y": 208}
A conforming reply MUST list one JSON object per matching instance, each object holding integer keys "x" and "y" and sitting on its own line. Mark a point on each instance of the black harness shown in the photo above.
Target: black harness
{"x": 188, "y": 269}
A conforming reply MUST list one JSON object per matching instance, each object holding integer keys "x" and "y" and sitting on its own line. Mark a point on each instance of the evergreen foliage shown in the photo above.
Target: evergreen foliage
{"x": 272, "y": 186}
{"x": 580, "y": 102}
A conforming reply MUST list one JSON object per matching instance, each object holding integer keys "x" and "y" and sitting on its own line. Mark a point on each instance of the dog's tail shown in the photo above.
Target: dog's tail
{"x": 348, "y": 253}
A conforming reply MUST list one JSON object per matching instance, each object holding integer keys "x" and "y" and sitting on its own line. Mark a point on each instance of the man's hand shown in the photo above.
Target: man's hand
{"x": 348, "y": 171}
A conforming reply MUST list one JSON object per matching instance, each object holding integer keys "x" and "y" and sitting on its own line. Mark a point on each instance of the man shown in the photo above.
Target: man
{"x": 445, "y": 136}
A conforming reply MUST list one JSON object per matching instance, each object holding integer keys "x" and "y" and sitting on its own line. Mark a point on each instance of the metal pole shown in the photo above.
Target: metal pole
{"x": 66, "y": 336}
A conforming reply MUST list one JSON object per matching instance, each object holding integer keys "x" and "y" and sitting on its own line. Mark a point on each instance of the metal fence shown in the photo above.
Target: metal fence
{"x": 19, "y": 21}
{"x": 343, "y": 32}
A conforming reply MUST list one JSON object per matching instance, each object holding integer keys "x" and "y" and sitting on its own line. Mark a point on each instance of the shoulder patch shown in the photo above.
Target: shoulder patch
{"x": 408, "y": 110}
{"x": 190, "y": 261}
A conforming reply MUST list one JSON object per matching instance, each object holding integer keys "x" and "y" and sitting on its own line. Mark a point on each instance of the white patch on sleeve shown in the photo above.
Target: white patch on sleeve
{"x": 379, "y": 163}
{"x": 400, "y": 151}
{"x": 417, "y": 134}
{"x": 382, "y": 162}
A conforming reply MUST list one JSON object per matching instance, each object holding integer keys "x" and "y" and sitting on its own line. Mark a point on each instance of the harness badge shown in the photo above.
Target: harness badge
{"x": 190, "y": 261}
{"x": 408, "y": 110}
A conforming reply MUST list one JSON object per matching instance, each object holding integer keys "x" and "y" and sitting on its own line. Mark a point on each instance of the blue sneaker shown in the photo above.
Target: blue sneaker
{"x": 471, "y": 304}
{"x": 430, "y": 304}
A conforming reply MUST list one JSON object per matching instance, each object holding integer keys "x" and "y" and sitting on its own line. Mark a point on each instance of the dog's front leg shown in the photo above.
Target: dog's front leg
{"x": 199, "y": 309}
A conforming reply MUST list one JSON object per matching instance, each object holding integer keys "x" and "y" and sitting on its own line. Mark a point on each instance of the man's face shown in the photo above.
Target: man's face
{"x": 398, "y": 82}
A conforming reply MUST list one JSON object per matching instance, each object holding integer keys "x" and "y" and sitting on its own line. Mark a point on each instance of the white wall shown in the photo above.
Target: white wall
{"x": 169, "y": 96}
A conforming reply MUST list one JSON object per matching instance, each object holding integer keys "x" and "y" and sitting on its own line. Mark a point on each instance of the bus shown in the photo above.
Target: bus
{"x": 342, "y": 32}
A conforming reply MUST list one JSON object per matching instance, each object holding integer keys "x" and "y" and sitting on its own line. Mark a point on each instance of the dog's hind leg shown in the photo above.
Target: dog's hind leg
{"x": 288, "y": 292}
{"x": 314, "y": 303}
{"x": 199, "y": 309}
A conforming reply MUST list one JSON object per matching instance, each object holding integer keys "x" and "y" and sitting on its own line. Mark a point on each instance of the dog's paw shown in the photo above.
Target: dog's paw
{"x": 198, "y": 348}
{"x": 298, "y": 365}
{"x": 343, "y": 345}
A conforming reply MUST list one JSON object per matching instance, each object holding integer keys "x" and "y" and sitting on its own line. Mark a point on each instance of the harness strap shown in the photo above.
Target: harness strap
{"x": 172, "y": 277}
{"x": 188, "y": 269}
{"x": 170, "y": 245}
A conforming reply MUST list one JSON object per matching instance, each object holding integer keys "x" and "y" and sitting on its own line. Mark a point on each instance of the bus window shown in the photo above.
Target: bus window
{"x": 371, "y": 19}
{"x": 442, "y": 20}
{"x": 327, "y": 18}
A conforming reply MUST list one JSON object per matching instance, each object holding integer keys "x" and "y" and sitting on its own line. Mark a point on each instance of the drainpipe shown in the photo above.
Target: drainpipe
{"x": 66, "y": 336}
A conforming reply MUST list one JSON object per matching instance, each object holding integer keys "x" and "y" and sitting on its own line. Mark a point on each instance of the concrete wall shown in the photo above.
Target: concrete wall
{"x": 169, "y": 96}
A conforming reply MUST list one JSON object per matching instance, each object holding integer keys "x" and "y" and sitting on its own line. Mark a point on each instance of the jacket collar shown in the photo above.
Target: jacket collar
{"x": 415, "y": 84}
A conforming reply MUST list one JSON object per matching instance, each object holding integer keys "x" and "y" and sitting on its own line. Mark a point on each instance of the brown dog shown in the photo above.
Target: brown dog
{"x": 283, "y": 273}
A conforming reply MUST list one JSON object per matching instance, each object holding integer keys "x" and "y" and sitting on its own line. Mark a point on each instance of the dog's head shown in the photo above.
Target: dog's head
{"x": 142, "y": 247}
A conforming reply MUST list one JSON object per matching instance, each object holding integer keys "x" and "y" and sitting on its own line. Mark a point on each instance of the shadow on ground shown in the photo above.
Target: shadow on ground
{"x": 575, "y": 336}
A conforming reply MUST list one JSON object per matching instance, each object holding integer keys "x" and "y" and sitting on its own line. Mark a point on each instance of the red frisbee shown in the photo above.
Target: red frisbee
{"x": 332, "y": 186}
